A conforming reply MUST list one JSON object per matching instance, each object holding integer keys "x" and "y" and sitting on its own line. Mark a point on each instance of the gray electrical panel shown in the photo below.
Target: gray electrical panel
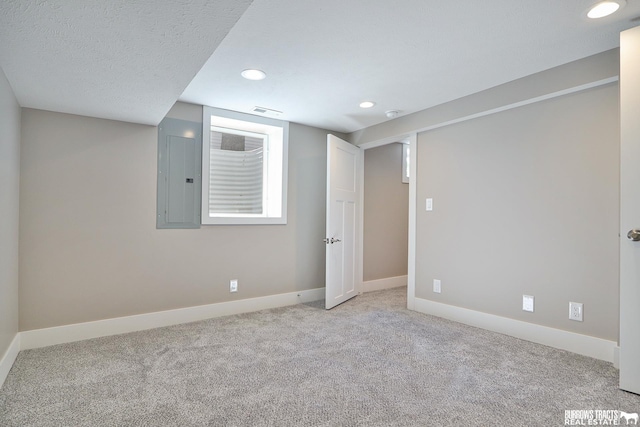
{"x": 179, "y": 174}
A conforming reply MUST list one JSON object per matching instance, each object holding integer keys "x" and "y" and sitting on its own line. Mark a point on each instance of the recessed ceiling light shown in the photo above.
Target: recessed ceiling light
{"x": 367, "y": 104}
{"x": 253, "y": 74}
{"x": 605, "y": 8}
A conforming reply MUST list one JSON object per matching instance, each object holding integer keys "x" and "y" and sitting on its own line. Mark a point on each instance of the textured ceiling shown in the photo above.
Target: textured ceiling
{"x": 132, "y": 59}
{"x": 117, "y": 59}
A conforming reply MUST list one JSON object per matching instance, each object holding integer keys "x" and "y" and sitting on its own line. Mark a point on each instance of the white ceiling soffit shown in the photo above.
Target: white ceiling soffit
{"x": 322, "y": 58}
{"x": 124, "y": 60}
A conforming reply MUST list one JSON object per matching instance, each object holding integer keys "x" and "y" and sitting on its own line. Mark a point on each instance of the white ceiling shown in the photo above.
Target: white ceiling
{"x": 130, "y": 60}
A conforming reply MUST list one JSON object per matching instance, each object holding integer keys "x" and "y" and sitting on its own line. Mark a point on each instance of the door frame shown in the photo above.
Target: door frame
{"x": 411, "y": 139}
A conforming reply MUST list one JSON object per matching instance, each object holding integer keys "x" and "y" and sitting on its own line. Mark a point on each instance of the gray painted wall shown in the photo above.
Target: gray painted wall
{"x": 184, "y": 111}
{"x": 9, "y": 208}
{"x": 89, "y": 248}
{"x": 525, "y": 201}
{"x": 386, "y": 213}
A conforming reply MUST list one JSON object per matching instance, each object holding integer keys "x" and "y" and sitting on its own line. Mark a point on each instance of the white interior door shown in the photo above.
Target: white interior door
{"x": 630, "y": 210}
{"x": 343, "y": 204}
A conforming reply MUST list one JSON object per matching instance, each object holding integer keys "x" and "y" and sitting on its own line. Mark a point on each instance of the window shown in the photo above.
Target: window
{"x": 244, "y": 168}
{"x": 406, "y": 164}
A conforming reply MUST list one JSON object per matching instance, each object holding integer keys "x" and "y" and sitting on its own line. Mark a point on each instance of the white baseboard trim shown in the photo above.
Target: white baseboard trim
{"x": 616, "y": 357}
{"x": 597, "y": 348}
{"x": 9, "y": 358}
{"x": 386, "y": 283}
{"x": 120, "y": 325}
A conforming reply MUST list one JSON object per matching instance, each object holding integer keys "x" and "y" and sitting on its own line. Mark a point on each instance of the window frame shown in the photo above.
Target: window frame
{"x": 254, "y": 124}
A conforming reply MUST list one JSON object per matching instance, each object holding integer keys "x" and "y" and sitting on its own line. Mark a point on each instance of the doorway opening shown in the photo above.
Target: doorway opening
{"x": 409, "y": 141}
{"x": 386, "y": 217}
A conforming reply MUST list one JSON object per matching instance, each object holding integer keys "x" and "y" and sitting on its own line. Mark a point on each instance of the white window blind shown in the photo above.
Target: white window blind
{"x": 244, "y": 168}
{"x": 236, "y": 174}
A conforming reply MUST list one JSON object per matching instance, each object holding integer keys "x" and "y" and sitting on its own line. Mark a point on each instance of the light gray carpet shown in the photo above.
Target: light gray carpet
{"x": 368, "y": 362}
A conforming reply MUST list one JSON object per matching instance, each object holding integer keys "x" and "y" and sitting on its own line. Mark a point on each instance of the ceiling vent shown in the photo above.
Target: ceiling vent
{"x": 266, "y": 111}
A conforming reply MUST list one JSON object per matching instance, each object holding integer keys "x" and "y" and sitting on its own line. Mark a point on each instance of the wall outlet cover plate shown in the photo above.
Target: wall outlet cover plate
{"x": 575, "y": 311}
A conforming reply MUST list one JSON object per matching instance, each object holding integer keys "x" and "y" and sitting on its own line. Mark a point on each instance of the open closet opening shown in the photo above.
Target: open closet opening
{"x": 386, "y": 217}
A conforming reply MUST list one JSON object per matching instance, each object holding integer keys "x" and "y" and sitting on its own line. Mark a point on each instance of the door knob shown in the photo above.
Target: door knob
{"x": 634, "y": 235}
{"x": 331, "y": 240}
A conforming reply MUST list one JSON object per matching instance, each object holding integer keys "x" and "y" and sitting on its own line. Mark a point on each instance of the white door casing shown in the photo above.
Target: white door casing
{"x": 629, "y": 210}
{"x": 411, "y": 139}
{"x": 343, "y": 228}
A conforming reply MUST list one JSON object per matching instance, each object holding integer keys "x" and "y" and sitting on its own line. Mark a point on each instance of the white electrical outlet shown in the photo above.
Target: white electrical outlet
{"x": 575, "y": 311}
{"x": 437, "y": 286}
{"x": 527, "y": 303}
{"x": 233, "y": 285}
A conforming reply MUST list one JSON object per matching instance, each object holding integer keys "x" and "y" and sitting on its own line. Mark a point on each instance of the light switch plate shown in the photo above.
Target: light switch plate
{"x": 527, "y": 303}
{"x": 429, "y": 204}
